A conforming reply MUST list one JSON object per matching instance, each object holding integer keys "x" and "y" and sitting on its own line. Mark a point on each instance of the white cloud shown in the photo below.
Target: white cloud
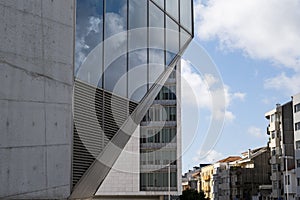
{"x": 208, "y": 157}
{"x": 198, "y": 91}
{"x": 263, "y": 29}
{"x": 256, "y": 132}
{"x": 289, "y": 84}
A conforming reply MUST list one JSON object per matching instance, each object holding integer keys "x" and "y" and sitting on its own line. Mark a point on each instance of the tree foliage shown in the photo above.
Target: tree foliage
{"x": 192, "y": 194}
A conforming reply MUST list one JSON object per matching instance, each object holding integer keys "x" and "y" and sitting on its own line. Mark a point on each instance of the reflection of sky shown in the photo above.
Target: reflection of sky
{"x": 89, "y": 34}
{"x": 89, "y": 21}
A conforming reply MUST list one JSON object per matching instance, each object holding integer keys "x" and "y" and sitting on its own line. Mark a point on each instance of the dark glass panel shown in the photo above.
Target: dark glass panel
{"x": 115, "y": 17}
{"x": 115, "y": 47}
{"x": 89, "y": 34}
{"x": 115, "y": 76}
{"x": 137, "y": 74}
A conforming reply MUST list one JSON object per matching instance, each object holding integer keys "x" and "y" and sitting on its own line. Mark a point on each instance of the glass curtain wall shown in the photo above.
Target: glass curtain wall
{"x": 122, "y": 46}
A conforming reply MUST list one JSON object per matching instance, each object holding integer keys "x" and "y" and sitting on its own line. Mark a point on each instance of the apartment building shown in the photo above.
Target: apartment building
{"x": 281, "y": 144}
{"x": 207, "y": 180}
{"x": 296, "y": 113}
{"x": 220, "y": 181}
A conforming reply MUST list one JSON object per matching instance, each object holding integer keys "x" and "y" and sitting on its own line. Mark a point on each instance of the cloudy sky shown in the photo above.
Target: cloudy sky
{"x": 255, "y": 46}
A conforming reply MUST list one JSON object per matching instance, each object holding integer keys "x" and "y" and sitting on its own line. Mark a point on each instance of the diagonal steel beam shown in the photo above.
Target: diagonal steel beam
{"x": 95, "y": 175}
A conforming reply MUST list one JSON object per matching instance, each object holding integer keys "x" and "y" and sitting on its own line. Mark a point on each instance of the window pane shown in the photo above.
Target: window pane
{"x": 172, "y": 8}
{"x": 156, "y": 42}
{"x": 297, "y": 108}
{"x": 160, "y": 3}
{"x": 115, "y": 62}
{"x": 137, "y": 74}
{"x": 186, "y": 14}
{"x": 89, "y": 34}
{"x": 184, "y": 37}
{"x": 172, "y": 37}
{"x": 115, "y": 17}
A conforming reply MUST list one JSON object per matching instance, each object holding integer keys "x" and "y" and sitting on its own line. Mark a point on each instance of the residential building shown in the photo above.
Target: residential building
{"x": 296, "y": 114}
{"x": 78, "y": 78}
{"x": 249, "y": 175}
{"x": 281, "y": 144}
{"x": 207, "y": 180}
{"x": 190, "y": 179}
{"x": 220, "y": 180}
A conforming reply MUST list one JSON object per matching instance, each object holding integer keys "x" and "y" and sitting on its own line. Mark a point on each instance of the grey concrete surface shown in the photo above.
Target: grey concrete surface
{"x": 36, "y": 79}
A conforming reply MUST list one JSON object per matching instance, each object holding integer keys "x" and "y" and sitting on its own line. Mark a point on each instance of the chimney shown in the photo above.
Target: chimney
{"x": 249, "y": 153}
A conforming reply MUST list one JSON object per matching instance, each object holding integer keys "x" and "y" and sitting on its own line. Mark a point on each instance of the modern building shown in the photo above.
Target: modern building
{"x": 296, "y": 114}
{"x": 281, "y": 144}
{"x": 89, "y": 98}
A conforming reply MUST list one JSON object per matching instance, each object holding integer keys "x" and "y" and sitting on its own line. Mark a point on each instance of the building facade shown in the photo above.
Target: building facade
{"x": 281, "y": 144}
{"x": 78, "y": 79}
{"x": 296, "y": 114}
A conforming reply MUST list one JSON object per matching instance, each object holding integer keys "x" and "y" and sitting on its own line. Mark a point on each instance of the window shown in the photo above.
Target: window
{"x": 275, "y": 185}
{"x": 273, "y": 134}
{"x": 297, "y": 126}
{"x": 287, "y": 179}
{"x": 298, "y": 144}
{"x": 273, "y": 151}
{"x": 298, "y": 163}
{"x": 297, "y": 108}
{"x": 298, "y": 181}
{"x": 274, "y": 167}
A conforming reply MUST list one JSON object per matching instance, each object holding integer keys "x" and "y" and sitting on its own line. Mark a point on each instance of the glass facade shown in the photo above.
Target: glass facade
{"x": 122, "y": 48}
{"x": 158, "y": 141}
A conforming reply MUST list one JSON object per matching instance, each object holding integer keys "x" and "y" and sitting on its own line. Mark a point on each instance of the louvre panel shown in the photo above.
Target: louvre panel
{"x": 91, "y": 132}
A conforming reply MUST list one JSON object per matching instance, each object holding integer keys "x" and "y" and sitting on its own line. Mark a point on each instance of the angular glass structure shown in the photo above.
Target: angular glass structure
{"x": 126, "y": 57}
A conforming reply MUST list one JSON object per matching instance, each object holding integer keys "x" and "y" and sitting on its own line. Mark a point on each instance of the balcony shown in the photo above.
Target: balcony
{"x": 206, "y": 188}
{"x": 206, "y": 177}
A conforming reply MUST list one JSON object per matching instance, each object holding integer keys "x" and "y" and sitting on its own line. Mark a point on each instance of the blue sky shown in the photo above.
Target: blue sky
{"x": 255, "y": 45}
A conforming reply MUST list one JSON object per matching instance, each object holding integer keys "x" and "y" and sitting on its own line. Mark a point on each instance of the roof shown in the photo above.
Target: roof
{"x": 253, "y": 151}
{"x": 230, "y": 159}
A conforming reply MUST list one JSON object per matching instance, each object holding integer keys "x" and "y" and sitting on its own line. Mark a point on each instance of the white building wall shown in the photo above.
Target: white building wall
{"x": 296, "y": 100}
{"x": 36, "y": 79}
{"x": 124, "y": 177}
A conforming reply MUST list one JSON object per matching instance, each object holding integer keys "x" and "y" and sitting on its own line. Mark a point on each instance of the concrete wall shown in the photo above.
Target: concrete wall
{"x": 36, "y": 78}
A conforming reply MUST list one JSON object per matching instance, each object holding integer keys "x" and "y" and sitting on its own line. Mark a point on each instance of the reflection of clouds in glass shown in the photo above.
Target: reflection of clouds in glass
{"x": 115, "y": 23}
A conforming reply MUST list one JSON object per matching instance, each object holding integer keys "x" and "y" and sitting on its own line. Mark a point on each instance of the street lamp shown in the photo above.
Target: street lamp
{"x": 286, "y": 174}
{"x": 169, "y": 181}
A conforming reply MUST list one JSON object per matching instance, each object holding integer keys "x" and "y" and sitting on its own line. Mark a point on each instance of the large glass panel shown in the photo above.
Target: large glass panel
{"x": 156, "y": 42}
{"x": 89, "y": 34}
{"x": 172, "y": 37}
{"x": 115, "y": 76}
{"x": 184, "y": 38}
{"x": 137, "y": 66}
{"x": 186, "y": 14}
{"x": 172, "y": 8}
{"x": 115, "y": 62}
{"x": 160, "y": 3}
{"x": 115, "y": 17}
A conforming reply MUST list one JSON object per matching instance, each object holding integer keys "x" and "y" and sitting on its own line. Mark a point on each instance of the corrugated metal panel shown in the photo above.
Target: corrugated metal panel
{"x": 91, "y": 132}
